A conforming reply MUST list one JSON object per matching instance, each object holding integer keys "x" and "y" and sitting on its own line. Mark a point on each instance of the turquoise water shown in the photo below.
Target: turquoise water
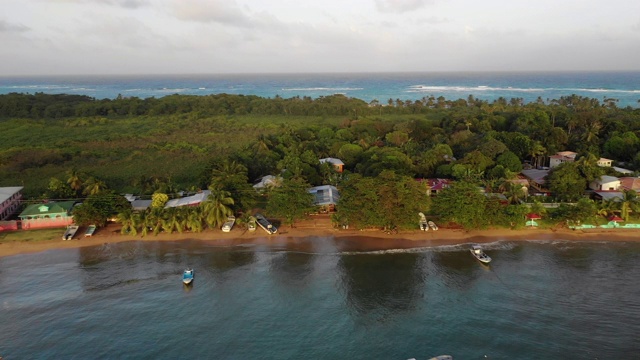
{"x": 623, "y": 86}
{"x": 321, "y": 298}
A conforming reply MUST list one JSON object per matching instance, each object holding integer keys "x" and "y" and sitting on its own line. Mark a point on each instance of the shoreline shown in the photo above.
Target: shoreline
{"x": 346, "y": 240}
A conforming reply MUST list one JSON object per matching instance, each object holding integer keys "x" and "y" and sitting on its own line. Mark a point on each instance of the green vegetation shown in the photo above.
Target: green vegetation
{"x": 67, "y": 146}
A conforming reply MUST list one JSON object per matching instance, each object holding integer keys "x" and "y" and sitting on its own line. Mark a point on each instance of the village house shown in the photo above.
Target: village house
{"x": 44, "y": 215}
{"x": 325, "y": 197}
{"x": 434, "y": 186}
{"x": 338, "y": 165}
{"x": 630, "y": 183}
{"x": 10, "y": 198}
{"x": 605, "y": 183}
{"x": 570, "y": 156}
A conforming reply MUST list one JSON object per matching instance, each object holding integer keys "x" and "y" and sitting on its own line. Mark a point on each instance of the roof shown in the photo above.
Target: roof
{"x": 536, "y": 175}
{"x": 622, "y": 170}
{"x": 188, "y": 200}
{"x": 325, "y": 195}
{"x": 7, "y": 192}
{"x": 630, "y": 183}
{"x": 604, "y": 160}
{"x": 608, "y": 195}
{"x": 569, "y": 154}
{"x": 140, "y": 205}
{"x": 61, "y": 207}
{"x": 267, "y": 180}
{"x": 436, "y": 184}
{"x": 607, "y": 179}
{"x": 333, "y": 161}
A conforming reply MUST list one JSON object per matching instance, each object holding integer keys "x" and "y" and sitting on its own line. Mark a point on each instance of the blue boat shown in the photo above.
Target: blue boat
{"x": 187, "y": 276}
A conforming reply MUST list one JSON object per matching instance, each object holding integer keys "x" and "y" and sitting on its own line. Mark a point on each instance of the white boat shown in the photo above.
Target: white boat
{"x": 442, "y": 357}
{"x": 478, "y": 253}
{"x": 433, "y": 225}
{"x": 228, "y": 225}
{"x": 70, "y": 232}
{"x": 187, "y": 276}
{"x": 90, "y": 230}
{"x": 265, "y": 224}
{"x": 424, "y": 225}
{"x": 251, "y": 225}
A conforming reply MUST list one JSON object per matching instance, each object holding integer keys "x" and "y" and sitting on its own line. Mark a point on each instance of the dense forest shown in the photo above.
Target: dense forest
{"x": 180, "y": 143}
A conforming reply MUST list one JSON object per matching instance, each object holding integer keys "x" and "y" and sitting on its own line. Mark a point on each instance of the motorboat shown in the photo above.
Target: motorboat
{"x": 424, "y": 225}
{"x": 251, "y": 225}
{"x": 187, "y": 276}
{"x": 90, "y": 230}
{"x": 433, "y": 225}
{"x": 265, "y": 224}
{"x": 442, "y": 357}
{"x": 478, "y": 253}
{"x": 70, "y": 232}
{"x": 228, "y": 225}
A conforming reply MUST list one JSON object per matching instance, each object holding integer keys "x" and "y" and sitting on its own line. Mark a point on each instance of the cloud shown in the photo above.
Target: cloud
{"x": 8, "y": 27}
{"x": 399, "y": 6}
{"x": 129, "y": 4}
{"x": 211, "y": 11}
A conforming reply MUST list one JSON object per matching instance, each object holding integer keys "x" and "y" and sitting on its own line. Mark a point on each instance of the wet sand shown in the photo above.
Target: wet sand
{"x": 347, "y": 240}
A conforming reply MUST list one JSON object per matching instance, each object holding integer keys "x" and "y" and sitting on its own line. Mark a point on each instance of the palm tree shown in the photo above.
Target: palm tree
{"x": 228, "y": 170}
{"x": 74, "y": 180}
{"x": 607, "y": 208}
{"x": 193, "y": 221}
{"x": 630, "y": 202}
{"x": 128, "y": 219}
{"x": 513, "y": 191}
{"x": 216, "y": 208}
{"x": 94, "y": 186}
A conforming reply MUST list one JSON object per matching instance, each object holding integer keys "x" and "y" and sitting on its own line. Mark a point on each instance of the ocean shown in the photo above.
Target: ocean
{"x": 622, "y": 86}
{"x": 320, "y": 298}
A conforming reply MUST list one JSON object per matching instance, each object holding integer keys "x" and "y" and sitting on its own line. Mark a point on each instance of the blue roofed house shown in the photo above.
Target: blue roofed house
{"x": 325, "y": 197}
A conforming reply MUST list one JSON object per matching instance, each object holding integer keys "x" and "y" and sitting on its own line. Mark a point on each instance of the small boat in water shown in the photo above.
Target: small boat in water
{"x": 187, "y": 276}
{"x": 442, "y": 357}
{"x": 478, "y": 253}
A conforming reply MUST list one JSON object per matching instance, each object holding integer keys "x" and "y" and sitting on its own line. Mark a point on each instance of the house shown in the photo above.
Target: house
{"x": 608, "y": 195}
{"x": 570, "y": 156}
{"x": 561, "y": 158}
{"x": 268, "y": 181}
{"x": 10, "y": 198}
{"x": 326, "y": 197}
{"x": 43, "y": 215}
{"x": 622, "y": 170}
{"x": 193, "y": 200}
{"x": 434, "y": 186}
{"x": 537, "y": 178}
{"x": 605, "y": 182}
{"x": 338, "y": 165}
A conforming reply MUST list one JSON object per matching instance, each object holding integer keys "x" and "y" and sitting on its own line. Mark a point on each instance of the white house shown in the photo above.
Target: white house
{"x": 9, "y": 201}
{"x": 326, "y": 196}
{"x": 605, "y": 182}
{"x": 268, "y": 181}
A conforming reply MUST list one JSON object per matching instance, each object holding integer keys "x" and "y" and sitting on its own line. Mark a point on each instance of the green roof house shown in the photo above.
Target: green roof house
{"x": 52, "y": 214}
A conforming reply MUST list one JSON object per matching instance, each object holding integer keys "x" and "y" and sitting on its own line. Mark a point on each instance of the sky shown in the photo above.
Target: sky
{"x": 59, "y": 37}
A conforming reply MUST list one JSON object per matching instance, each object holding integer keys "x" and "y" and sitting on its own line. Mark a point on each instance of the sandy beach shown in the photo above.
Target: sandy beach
{"x": 347, "y": 240}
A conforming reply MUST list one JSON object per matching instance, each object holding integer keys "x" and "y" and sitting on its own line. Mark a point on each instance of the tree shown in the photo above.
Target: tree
{"x": 94, "y": 186}
{"x": 98, "y": 208}
{"x": 217, "y": 207}
{"x": 461, "y": 203}
{"x": 159, "y": 200}
{"x": 291, "y": 201}
{"x": 630, "y": 202}
{"x": 74, "y": 179}
{"x": 566, "y": 182}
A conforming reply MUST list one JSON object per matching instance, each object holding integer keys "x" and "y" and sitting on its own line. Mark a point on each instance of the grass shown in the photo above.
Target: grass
{"x": 31, "y": 235}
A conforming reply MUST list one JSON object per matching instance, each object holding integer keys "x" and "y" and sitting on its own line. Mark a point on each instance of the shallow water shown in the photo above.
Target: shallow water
{"x": 537, "y": 300}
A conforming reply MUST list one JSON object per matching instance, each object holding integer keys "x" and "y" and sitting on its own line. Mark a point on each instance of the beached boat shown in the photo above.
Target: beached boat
{"x": 265, "y": 224}
{"x": 228, "y": 225}
{"x": 433, "y": 225}
{"x": 478, "y": 253}
{"x": 90, "y": 230}
{"x": 424, "y": 225}
{"x": 251, "y": 225}
{"x": 187, "y": 276}
{"x": 70, "y": 232}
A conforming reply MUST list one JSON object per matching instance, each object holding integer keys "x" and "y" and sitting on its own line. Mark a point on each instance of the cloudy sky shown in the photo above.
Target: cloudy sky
{"x": 265, "y": 36}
